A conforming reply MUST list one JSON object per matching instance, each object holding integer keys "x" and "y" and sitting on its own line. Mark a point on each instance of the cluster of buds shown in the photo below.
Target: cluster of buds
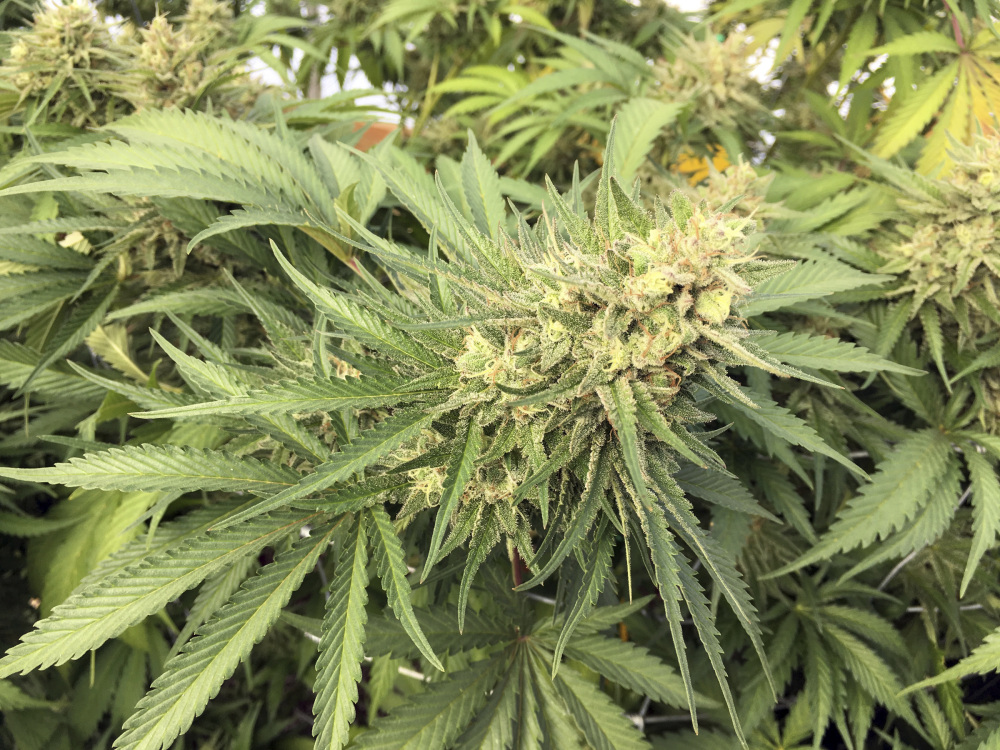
{"x": 64, "y": 37}
{"x": 209, "y": 19}
{"x": 653, "y": 303}
{"x": 426, "y": 482}
{"x": 170, "y": 58}
{"x": 177, "y": 62}
{"x": 949, "y": 258}
{"x": 66, "y": 41}
{"x": 70, "y": 60}
{"x": 715, "y": 182}
{"x": 950, "y": 254}
{"x": 740, "y": 182}
{"x": 714, "y": 76}
{"x": 652, "y": 306}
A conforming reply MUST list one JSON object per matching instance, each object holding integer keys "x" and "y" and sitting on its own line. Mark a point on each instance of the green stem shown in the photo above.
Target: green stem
{"x": 430, "y": 100}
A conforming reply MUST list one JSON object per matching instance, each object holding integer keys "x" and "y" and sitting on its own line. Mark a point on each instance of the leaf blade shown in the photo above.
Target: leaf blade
{"x": 342, "y": 644}
{"x": 192, "y": 677}
{"x": 460, "y": 468}
{"x": 392, "y": 570}
{"x": 352, "y": 459}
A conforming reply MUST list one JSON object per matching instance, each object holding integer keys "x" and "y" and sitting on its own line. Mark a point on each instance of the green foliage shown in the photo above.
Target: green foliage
{"x": 72, "y": 67}
{"x": 342, "y": 648}
{"x": 537, "y": 425}
{"x": 194, "y": 675}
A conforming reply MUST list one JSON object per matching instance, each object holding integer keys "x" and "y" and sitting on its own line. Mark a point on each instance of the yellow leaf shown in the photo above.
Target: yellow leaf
{"x": 76, "y": 241}
{"x": 984, "y": 100}
{"x": 761, "y": 33}
{"x": 8, "y": 267}
{"x": 111, "y": 344}
{"x": 990, "y": 68}
{"x": 954, "y": 121}
{"x": 988, "y": 78}
{"x": 985, "y": 43}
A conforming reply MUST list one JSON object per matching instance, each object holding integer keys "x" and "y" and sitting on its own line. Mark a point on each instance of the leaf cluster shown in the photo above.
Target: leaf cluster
{"x": 357, "y": 453}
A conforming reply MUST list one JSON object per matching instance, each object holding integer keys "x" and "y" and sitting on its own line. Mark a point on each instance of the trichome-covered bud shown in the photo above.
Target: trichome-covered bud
{"x": 714, "y": 77}
{"x": 648, "y": 301}
{"x": 948, "y": 254}
{"x": 67, "y": 44}
{"x": 86, "y": 74}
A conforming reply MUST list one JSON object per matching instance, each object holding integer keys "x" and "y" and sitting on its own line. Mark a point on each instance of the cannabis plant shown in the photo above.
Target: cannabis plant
{"x": 68, "y": 44}
{"x": 73, "y": 68}
{"x": 946, "y": 260}
{"x": 396, "y": 451}
{"x": 722, "y": 100}
{"x": 697, "y": 97}
{"x": 905, "y": 78}
{"x": 68, "y": 262}
{"x": 541, "y": 389}
{"x": 942, "y": 309}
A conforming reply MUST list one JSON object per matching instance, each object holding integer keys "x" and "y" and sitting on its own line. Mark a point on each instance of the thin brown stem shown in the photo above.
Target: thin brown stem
{"x": 517, "y": 568}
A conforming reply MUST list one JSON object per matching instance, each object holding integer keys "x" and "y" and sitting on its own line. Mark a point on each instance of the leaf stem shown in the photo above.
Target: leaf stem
{"x": 517, "y": 567}
{"x": 956, "y": 28}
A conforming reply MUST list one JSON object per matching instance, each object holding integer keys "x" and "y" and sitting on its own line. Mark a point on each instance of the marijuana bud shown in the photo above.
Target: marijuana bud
{"x": 209, "y": 19}
{"x": 738, "y": 182}
{"x": 574, "y": 326}
{"x": 948, "y": 256}
{"x": 180, "y": 64}
{"x": 67, "y": 44}
{"x": 715, "y": 75}
{"x": 71, "y": 62}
